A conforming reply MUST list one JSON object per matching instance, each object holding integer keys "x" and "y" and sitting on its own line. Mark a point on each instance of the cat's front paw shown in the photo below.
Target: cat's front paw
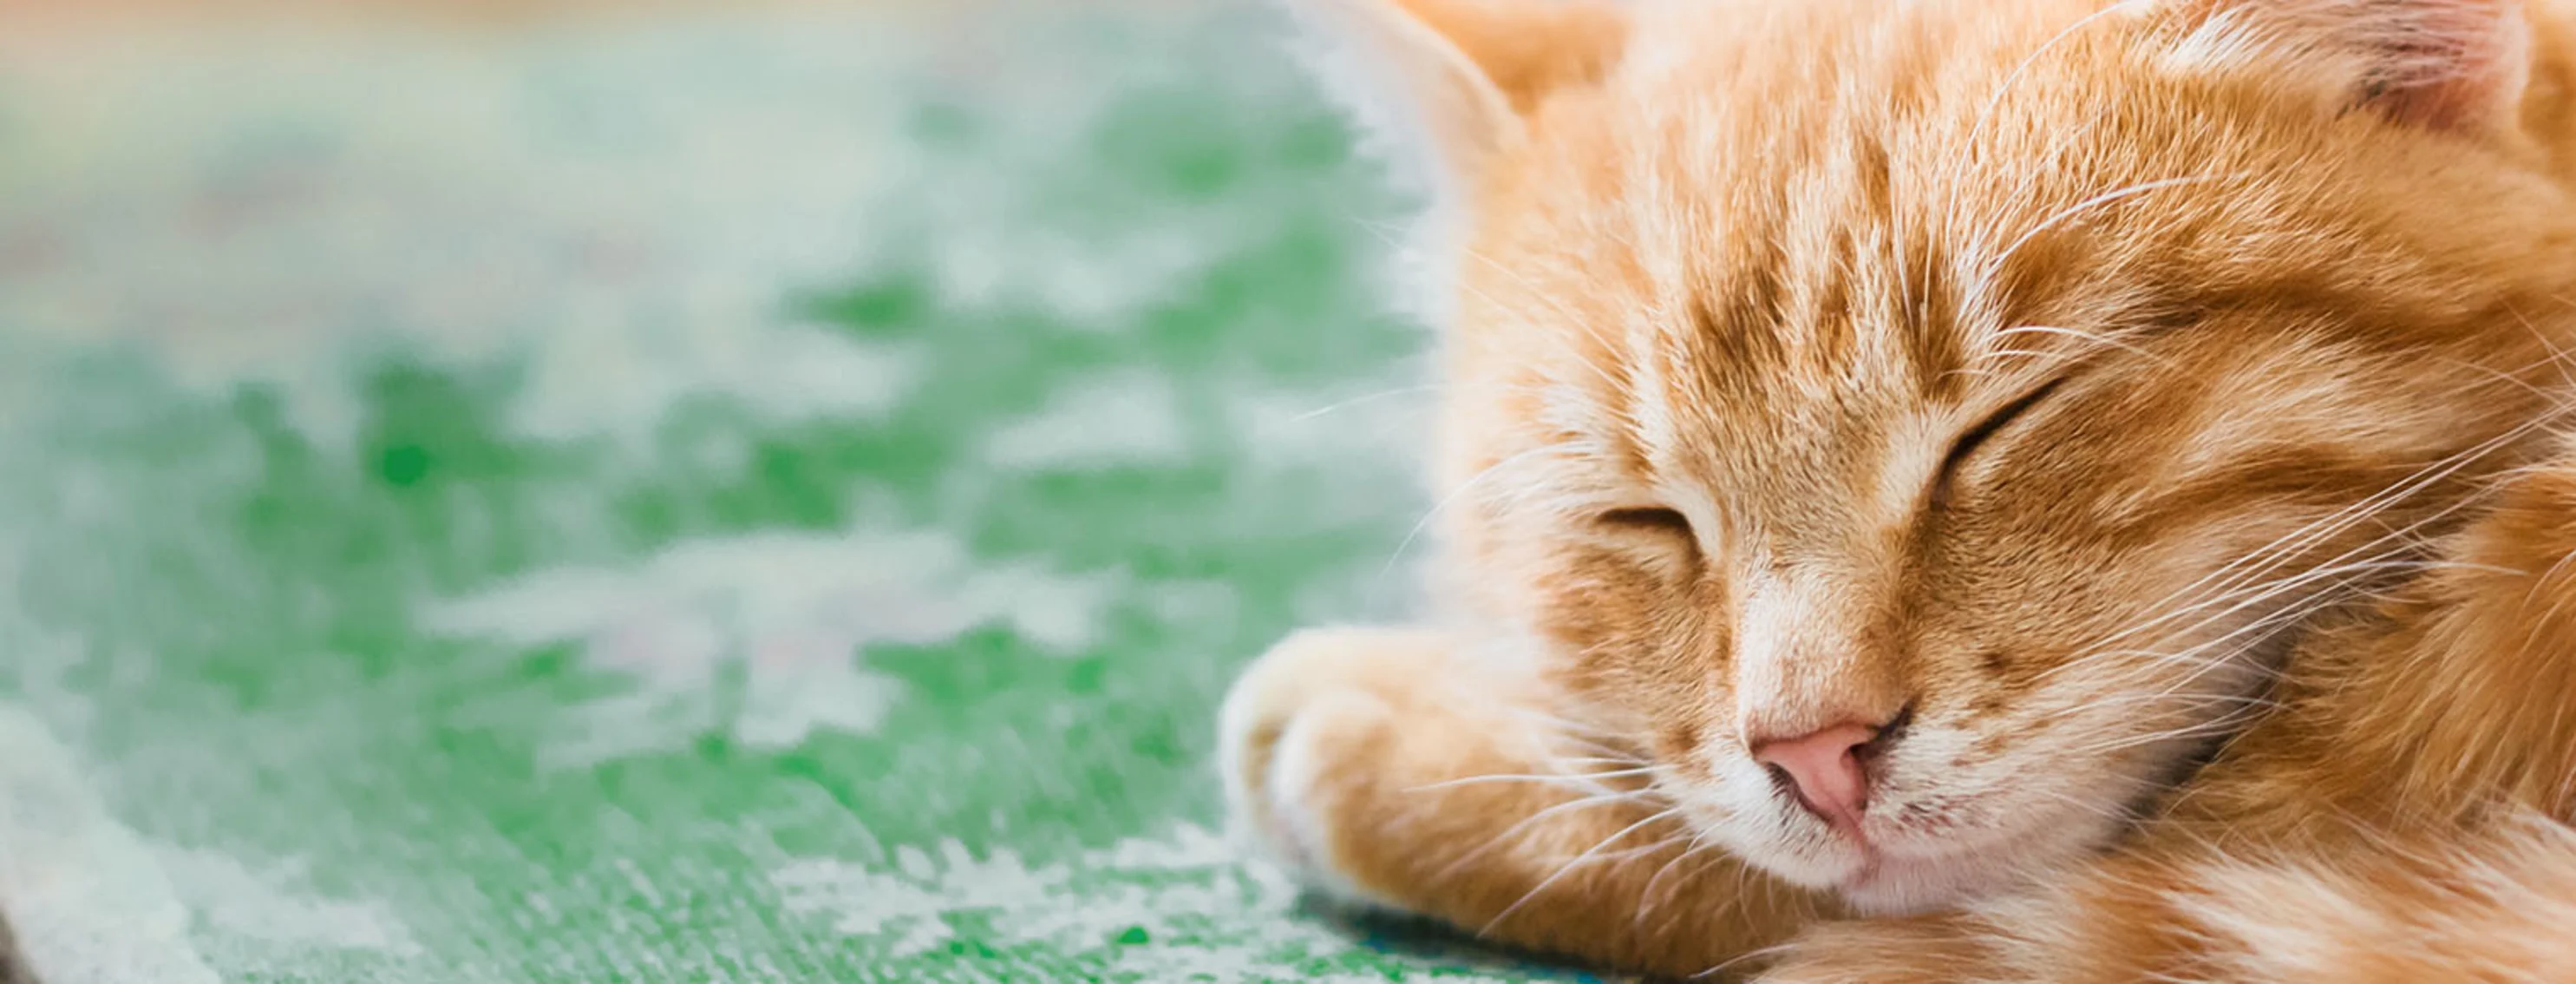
{"x": 1296, "y": 737}
{"x": 1387, "y": 769}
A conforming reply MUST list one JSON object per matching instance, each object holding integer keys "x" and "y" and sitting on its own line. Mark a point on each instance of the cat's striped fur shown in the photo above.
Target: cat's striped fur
{"x": 2139, "y": 421}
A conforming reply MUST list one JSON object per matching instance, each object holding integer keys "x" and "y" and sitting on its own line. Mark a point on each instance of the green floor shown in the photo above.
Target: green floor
{"x": 745, "y": 499}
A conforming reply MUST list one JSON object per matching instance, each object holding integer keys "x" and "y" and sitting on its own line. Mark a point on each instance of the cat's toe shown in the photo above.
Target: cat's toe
{"x": 1293, "y": 736}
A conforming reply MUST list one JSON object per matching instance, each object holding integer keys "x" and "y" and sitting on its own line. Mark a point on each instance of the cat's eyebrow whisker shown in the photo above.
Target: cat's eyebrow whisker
{"x": 2095, "y": 337}
{"x": 2563, "y": 565}
{"x": 1982, "y": 287}
{"x": 1593, "y": 367}
{"x": 2509, "y": 475}
{"x": 1955, "y": 170}
{"x": 1980, "y": 368}
{"x": 1995, "y": 101}
{"x": 2024, "y": 187}
{"x": 1552, "y": 306}
{"x": 1995, "y": 264}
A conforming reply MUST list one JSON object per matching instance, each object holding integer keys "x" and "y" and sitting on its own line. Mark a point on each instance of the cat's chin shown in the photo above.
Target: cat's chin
{"x": 1875, "y": 881}
{"x": 1904, "y": 886}
{"x": 1895, "y": 879}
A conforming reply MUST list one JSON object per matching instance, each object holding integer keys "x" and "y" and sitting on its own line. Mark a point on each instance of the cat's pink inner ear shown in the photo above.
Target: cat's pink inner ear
{"x": 2454, "y": 63}
{"x": 2445, "y": 64}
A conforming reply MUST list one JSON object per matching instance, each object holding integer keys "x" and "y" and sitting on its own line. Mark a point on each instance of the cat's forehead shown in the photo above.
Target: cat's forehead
{"x": 1838, "y": 202}
{"x": 1801, "y": 197}
{"x": 1769, "y": 254}
{"x": 1800, "y": 241}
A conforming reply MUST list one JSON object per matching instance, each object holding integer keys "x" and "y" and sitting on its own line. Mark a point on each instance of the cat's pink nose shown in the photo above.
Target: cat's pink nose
{"x": 1825, "y": 769}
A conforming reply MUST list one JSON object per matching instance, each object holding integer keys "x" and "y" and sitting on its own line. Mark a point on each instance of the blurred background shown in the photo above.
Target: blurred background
{"x": 538, "y": 490}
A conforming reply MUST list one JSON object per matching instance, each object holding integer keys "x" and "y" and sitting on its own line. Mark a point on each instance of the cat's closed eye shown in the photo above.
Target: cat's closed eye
{"x": 1653, "y": 520}
{"x": 1975, "y": 437}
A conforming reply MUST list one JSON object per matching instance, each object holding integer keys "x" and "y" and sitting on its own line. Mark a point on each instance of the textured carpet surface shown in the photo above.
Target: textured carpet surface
{"x": 692, "y": 498}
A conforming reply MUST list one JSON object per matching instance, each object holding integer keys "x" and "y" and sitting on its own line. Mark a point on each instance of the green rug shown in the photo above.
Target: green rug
{"x": 741, "y": 498}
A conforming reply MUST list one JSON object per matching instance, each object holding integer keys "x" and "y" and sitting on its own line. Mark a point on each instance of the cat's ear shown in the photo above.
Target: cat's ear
{"x": 2446, "y": 64}
{"x": 1450, "y": 83}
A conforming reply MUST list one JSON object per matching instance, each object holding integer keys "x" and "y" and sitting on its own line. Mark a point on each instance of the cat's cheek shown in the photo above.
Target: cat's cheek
{"x": 1609, "y": 616}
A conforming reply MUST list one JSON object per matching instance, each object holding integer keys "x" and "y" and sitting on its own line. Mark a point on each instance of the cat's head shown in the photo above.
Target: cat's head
{"x": 1922, "y": 427}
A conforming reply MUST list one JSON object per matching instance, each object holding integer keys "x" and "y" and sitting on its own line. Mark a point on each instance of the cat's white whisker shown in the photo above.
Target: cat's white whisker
{"x": 1366, "y": 398}
{"x": 1758, "y": 954}
{"x": 1511, "y": 833}
{"x": 2253, "y": 595}
{"x": 2228, "y": 576}
{"x": 1569, "y": 866}
{"x": 1454, "y": 495}
{"x": 1698, "y": 843}
{"x": 1739, "y": 287}
{"x": 1534, "y": 777}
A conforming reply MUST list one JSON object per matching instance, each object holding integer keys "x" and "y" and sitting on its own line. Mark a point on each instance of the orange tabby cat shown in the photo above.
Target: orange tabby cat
{"x": 1940, "y": 490}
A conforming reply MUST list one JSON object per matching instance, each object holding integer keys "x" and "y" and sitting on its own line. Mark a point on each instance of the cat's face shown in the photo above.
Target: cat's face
{"x": 2007, "y": 386}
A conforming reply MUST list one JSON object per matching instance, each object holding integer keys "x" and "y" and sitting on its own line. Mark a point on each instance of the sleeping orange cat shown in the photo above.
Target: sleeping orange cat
{"x": 1972, "y": 490}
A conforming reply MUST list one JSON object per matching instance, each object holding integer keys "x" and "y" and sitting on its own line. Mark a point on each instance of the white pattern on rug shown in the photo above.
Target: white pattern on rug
{"x": 1129, "y": 417}
{"x": 792, "y": 611}
{"x": 94, "y": 903}
{"x": 89, "y": 900}
{"x": 274, "y": 902}
{"x": 634, "y": 231}
{"x": 1182, "y": 906}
